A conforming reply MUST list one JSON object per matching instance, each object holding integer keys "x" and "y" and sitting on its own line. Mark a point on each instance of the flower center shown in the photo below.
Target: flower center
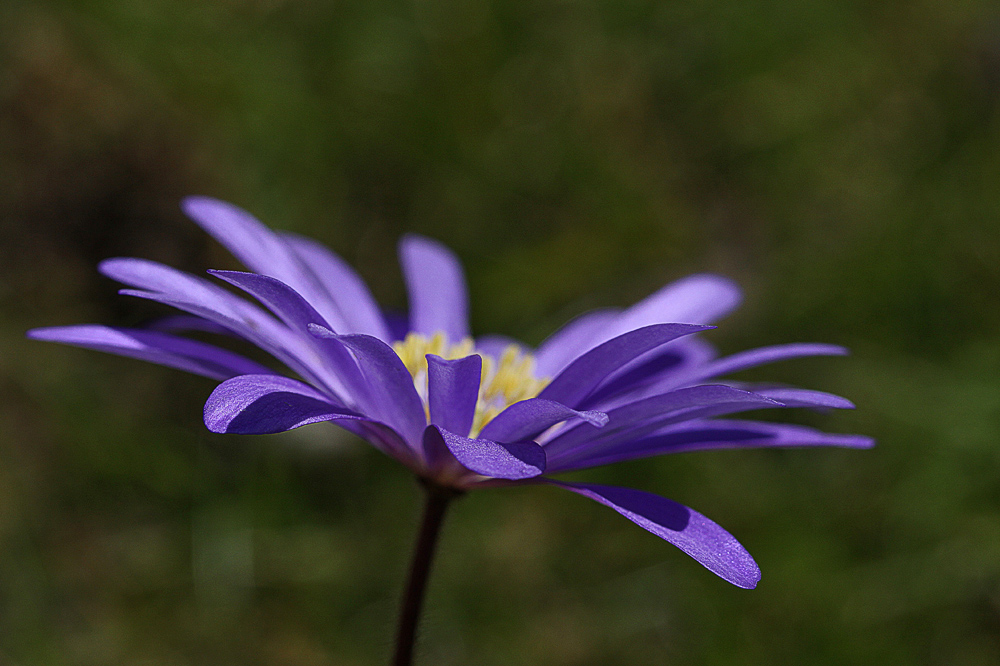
{"x": 504, "y": 381}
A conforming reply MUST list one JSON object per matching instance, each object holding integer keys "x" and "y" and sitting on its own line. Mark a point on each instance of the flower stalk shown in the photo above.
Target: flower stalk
{"x": 437, "y": 500}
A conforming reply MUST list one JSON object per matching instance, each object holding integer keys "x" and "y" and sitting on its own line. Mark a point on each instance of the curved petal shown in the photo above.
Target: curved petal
{"x": 755, "y": 357}
{"x": 298, "y": 314}
{"x": 453, "y": 390}
{"x": 581, "y": 376}
{"x": 161, "y": 348}
{"x": 281, "y": 299}
{"x": 578, "y": 336}
{"x": 644, "y": 375}
{"x": 696, "y": 299}
{"x": 527, "y": 418}
{"x": 254, "y": 244}
{"x": 713, "y": 547}
{"x": 710, "y": 435}
{"x": 796, "y": 397}
{"x": 207, "y": 300}
{"x": 163, "y": 283}
{"x": 345, "y": 288}
{"x": 640, "y": 418}
{"x": 499, "y": 460}
{"x": 264, "y": 404}
{"x": 435, "y": 284}
{"x": 261, "y": 250}
{"x": 387, "y": 393}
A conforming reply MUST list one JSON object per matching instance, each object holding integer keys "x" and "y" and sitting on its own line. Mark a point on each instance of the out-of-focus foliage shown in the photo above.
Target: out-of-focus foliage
{"x": 840, "y": 159}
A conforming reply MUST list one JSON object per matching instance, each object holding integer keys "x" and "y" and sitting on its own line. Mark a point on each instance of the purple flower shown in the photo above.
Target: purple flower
{"x": 463, "y": 412}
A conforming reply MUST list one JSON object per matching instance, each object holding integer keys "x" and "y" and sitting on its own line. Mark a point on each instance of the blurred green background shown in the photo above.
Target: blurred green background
{"x": 841, "y": 160}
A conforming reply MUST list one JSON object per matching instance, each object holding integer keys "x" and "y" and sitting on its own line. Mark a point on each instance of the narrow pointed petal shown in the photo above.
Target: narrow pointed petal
{"x": 298, "y": 314}
{"x": 453, "y": 390}
{"x": 697, "y": 299}
{"x": 168, "y": 284}
{"x": 264, "y": 404}
{"x": 643, "y": 417}
{"x": 796, "y": 397}
{"x": 261, "y": 250}
{"x": 710, "y": 435}
{"x": 387, "y": 393}
{"x": 528, "y": 418}
{"x": 204, "y": 299}
{"x": 161, "y": 348}
{"x": 584, "y": 374}
{"x": 278, "y": 297}
{"x": 660, "y": 406}
{"x": 713, "y": 547}
{"x": 642, "y": 377}
{"x": 755, "y": 357}
{"x": 256, "y": 246}
{"x": 500, "y": 460}
{"x": 436, "y": 287}
{"x": 578, "y": 336}
{"x": 347, "y": 291}
{"x": 267, "y": 334}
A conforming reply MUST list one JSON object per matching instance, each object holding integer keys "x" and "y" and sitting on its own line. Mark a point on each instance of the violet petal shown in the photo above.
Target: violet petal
{"x": 705, "y": 435}
{"x": 436, "y": 456}
{"x": 345, "y": 288}
{"x": 163, "y": 283}
{"x": 263, "y": 404}
{"x": 281, "y": 299}
{"x": 435, "y": 284}
{"x": 528, "y": 418}
{"x": 453, "y": 390}
{"x": 202, "y": 298}
{"x": 581, "y": 376}
{"x": 716, "y": 549}
{"x": 256, "y": 246}
{"x": 261, "y": 250}
{"x": 755, "y": 357}
{"x": 499, "y": 460}
{"x": 696, "y": 299}
{"x": 796, "y": 397}
{"x": 645, "y": 416}
{"x": 299, "y": 315}
{"x": 197, "y": 357}
{"x": 391, "y": 397}
{"x": 578, "y": 336}
{"x": 642, "y": 376}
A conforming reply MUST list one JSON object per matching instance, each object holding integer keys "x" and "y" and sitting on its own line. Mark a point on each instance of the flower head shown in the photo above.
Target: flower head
{"x": 459, "y": 411}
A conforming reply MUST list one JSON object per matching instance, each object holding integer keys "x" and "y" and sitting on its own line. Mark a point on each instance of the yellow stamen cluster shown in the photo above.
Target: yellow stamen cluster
{"x": 414, "y": 349}
{"x": 504, "y": 381}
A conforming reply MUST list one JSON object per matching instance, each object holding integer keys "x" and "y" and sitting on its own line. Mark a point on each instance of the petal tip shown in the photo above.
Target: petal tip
{"x": 321, "y": 331}
{"x": 596, "y": 419}
{"x": 749, "y": 581}
{"x": 196, "y": 203}
{"x": 863, "y": 442}
{"x": 39, "y": 333}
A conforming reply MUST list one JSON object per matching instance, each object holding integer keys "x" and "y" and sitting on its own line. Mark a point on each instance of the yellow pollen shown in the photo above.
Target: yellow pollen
{"x": 504, "y": 381}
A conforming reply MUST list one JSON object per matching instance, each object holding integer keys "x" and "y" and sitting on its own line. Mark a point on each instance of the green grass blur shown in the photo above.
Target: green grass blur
{"x": 841, "y": 160}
